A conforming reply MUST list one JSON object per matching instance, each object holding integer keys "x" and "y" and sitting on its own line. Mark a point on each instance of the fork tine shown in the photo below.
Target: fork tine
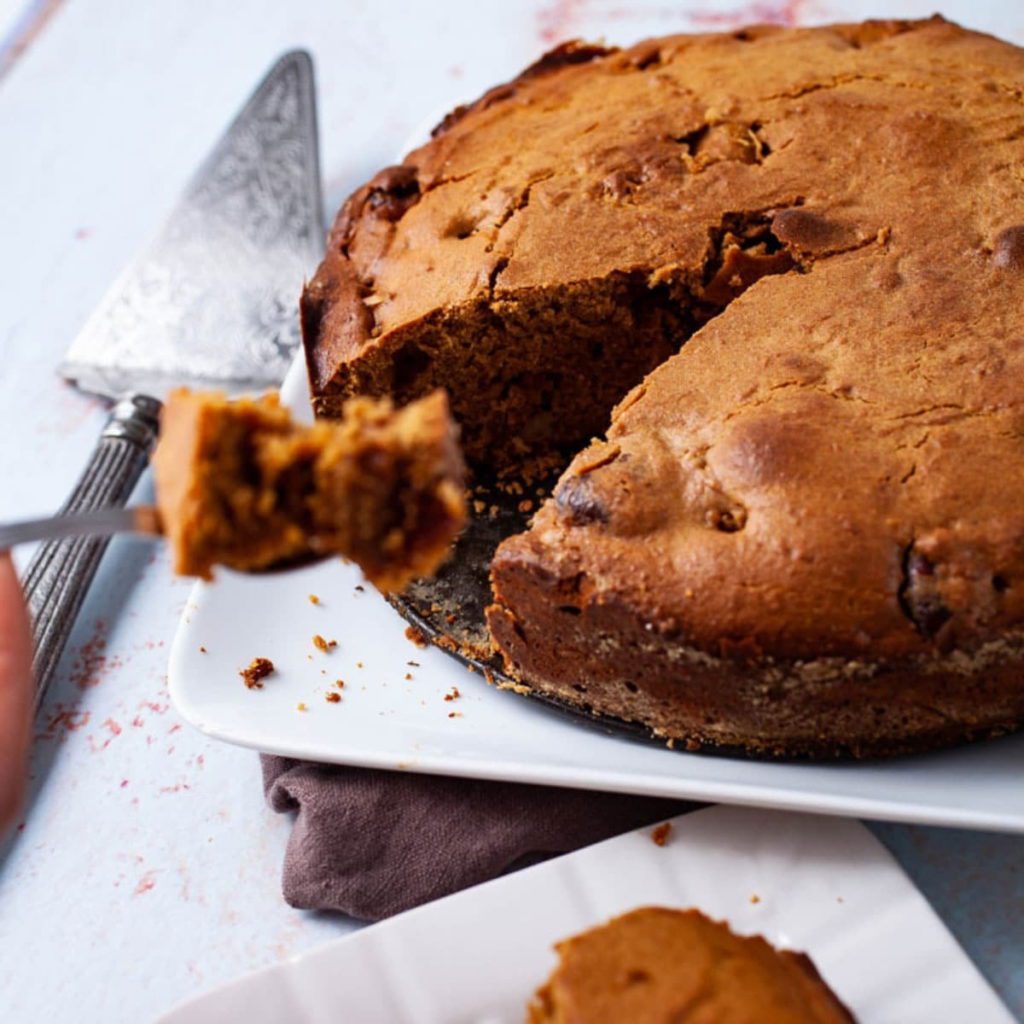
{"x": 98, "y": 523}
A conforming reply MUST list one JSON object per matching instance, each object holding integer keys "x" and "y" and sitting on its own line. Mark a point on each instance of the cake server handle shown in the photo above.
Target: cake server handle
{"x": 61, "y": 571}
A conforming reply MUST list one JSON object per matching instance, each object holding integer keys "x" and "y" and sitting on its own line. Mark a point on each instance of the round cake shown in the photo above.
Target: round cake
{"x": 779, "y": 274}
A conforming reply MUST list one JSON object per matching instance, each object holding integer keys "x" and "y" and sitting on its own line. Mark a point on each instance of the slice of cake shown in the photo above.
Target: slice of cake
{"x": 660, "y": 966}
{"x": 240, "y": 485}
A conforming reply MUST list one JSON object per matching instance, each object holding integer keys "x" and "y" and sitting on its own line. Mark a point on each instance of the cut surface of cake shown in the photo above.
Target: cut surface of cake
{"x": 780, "y": 274}
{"x": 660, "y": 966}
{"x": 240, "y": 484}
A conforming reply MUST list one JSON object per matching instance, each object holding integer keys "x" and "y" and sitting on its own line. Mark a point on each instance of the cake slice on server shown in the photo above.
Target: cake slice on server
{"x": 780, "y": 273}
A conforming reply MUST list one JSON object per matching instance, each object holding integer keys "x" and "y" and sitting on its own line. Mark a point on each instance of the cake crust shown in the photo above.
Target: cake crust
{"x": 802, "y": 532}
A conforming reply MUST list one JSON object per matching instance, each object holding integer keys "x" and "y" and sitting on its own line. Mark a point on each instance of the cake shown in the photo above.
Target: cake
{"x": 661, "y": 966}
{"x": 240, "y": 484}
{"x": 762, "y": 291}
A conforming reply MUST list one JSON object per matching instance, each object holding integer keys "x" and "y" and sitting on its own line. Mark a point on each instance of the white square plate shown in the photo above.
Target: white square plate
{"x": 393, "y": 714}
{"x": 826, "y": 887}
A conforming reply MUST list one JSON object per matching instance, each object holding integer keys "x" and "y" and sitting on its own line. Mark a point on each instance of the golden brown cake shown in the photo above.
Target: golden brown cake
{"x": 239, "y": 484}
{"x": 795, "y": 259}
{"x": 660, "y": 966}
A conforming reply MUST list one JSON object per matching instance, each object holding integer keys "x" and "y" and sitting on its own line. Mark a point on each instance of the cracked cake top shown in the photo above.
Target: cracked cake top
{"x": 829, "y": 466}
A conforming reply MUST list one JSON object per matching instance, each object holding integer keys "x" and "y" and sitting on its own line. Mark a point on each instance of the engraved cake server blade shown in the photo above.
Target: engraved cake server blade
{"x": 211, "y": 302}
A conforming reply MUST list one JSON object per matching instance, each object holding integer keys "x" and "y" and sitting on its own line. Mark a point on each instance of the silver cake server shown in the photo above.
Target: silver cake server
{"x": 211, "y": 302}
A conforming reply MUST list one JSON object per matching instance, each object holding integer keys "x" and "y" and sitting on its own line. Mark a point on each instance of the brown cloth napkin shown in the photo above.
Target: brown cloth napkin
{"x": 372, "y": 843}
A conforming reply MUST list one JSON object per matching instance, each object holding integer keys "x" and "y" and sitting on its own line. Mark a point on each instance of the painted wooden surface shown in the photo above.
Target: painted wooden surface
{"x": 148, "y": 866}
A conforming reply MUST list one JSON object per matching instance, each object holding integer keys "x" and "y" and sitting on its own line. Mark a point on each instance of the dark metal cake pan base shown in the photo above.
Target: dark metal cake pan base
{"x": 448, "y": 610}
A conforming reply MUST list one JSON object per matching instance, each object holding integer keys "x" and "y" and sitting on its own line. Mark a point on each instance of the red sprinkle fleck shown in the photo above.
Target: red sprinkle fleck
{"x": 556, "y": 20}
{"x": 146, "y": 882}
{"x": 62, "y": 721}
{"x": 776, "y": 12}
{"x": 91, "y": 661}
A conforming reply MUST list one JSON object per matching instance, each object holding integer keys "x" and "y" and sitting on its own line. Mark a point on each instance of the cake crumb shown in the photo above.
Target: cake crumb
{"x": 202, "y": 650}
{"x": 754, "y": 898}
{"x": 360, "y": 588}
{"x": 323, "y": 645}
{"x": 332, "y": 697}
{"x": 479, "y": 507}
{"x": 415, "y": 664}
{"x": 301, "y": 706}
{"x": 339, "y": 683}
{"x": 314, "y": 599}
{"x": 525, "y": 506}
{"x": 453, "y": 694}
{"x": 454, "y": 714}
{"x": 660, "y": 834}
{"x": 255, "y": 672}
{"x": 408, "y": 676}
{"x": 359, "y": 664}
{"x": 416, "y": 636}
{"x": 520, "y": 688}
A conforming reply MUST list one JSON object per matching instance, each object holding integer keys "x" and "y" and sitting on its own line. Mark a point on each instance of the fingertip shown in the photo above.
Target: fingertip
{"x": 16, "y": 690}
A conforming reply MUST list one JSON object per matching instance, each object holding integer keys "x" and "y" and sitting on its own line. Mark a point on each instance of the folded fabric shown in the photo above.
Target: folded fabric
{"x": 372, "y": 843}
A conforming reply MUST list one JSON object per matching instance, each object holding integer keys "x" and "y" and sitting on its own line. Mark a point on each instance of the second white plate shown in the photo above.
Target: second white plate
{"x": 825, "y": 887}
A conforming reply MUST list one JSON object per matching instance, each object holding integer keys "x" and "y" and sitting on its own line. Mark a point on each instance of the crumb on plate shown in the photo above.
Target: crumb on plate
{"x": 416, "y": 636}
{"x": 255, "y": 672}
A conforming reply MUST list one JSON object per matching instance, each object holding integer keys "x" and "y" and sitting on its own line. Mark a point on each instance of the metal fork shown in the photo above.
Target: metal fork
{"x": 102, "y": 522}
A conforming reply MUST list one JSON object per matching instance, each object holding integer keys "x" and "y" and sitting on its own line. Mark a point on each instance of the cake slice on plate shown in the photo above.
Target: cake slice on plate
{"x": 660, "y": 966}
